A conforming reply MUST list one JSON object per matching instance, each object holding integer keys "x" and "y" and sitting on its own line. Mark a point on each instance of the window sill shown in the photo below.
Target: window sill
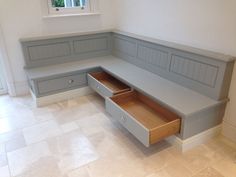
{"x": 70, "y": 15}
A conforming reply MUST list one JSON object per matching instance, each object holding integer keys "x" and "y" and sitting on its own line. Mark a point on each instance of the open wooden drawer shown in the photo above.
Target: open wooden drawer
{"x": 105, "y": 84}
{"x": 147, "y": 120}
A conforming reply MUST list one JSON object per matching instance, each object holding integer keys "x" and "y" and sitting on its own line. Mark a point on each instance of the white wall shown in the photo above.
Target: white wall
{"x": 24, "y": 18}
{"x": 207, "y": 24}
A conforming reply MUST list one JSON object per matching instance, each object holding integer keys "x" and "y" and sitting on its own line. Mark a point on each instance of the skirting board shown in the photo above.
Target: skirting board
{"x": 229, "y": 131}
{"x": 185, "y": 145}
{"x": 46, "y": 100}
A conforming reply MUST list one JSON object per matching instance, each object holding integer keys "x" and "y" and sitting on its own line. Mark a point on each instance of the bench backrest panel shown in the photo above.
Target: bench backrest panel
{"x": 203, "y": 74}
{"x": 60, "y": 50}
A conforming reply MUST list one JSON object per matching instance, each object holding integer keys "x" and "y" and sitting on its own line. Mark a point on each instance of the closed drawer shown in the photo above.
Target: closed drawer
{"x": 147, "y": 120}
{"x": 105, "y": 84}
{"x": 61, "y": 83}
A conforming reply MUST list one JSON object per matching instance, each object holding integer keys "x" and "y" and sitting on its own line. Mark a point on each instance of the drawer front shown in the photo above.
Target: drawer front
{"x": 134, "y": 127}
{"x": 61, "y": 83}
{"x": 98, "y": 87}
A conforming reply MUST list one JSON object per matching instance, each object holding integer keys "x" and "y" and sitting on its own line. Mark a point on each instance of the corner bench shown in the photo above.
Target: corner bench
{"x": 197, "y": 111}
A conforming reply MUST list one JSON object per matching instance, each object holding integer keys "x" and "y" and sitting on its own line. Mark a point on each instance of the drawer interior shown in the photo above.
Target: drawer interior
{"x": 110, "y": 82}
{"x": 158, "y": 120}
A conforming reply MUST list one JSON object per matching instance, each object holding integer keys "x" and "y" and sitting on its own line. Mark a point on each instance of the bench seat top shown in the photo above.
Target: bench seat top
{"x": 181, "y": 100}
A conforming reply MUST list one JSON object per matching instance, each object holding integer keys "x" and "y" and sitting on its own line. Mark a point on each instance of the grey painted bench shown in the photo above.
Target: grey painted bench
{"x": 192, "y": 83}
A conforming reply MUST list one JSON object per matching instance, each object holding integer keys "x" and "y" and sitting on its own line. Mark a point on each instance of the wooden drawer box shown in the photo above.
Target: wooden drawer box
{"x": 105, "y": 84}
{"x": 61, "y": 83}
{"x": 147, "y": 120}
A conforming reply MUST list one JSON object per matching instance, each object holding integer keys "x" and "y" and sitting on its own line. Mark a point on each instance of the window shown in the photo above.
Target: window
{"x": 69, "y": 6}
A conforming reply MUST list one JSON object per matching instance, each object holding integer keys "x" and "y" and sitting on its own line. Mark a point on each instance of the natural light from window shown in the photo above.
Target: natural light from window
{"x": 63, "y": 7}
{"x": 68, "y": 3}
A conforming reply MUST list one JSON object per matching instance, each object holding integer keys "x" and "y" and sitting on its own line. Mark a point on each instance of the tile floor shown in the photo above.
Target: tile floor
{"x": 76, "y": 138}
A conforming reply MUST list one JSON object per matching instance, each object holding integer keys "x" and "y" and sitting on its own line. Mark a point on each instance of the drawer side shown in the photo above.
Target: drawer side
{"x": 164, "y": 131}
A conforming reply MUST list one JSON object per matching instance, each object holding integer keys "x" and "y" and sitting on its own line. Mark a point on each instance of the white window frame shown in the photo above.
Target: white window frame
{"x": 71, "y": 10}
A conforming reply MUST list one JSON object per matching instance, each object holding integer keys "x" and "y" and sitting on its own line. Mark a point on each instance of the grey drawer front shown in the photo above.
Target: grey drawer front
{"x": 134, "y": 127}
{"x": 61, "y": 83}
{"x": 98, "y": 87}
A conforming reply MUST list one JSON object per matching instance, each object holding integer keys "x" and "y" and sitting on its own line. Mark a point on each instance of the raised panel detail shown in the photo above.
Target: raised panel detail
{"x": 42, "y": 52}
{"x": 201, "y": 72}
{"x": 90, "y": 45}
{"x": 154, "y": 57}
{"x": 125, "y": 46}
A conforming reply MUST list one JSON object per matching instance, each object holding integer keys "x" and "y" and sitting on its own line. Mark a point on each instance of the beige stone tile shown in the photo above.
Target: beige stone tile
{"x": 173, "y": 170}
{"x": 158, "y": 160}
{"x": 19, "y": 119}
{"x": 72, "y": 150}
{"x": 195, "y": 159}
{"x": 80, "y": 172}
{"x": 221, "y": 149}
{"x": 39, "y": 111}
{"x": 67, "y": 115}
{"x": 11, "y": 108}
{"x": 5, "y": 100}
{"x": 44, "y": 167}
{"x": 107, "y": 146}
{"x": 97, "y": 101}
{"x": 214, "y": 144}
{"x": 221, "y": 154}
{"x": 6, "y": 109}
{"x": 15, "y": 143}
{"x": 2, "y": 148}
{"x": 41, "y": 131}
{"x": 220, "y": 142}
{"x": 116, "y": 166}
{"x": 25, "y": 100}
{"x": 92, "y": 124}
{"x": 84, "y": 103}
{"x": 3, "y": 159}
{"x": 4, "y": 171}
{"x": 10, "y": 135}
{"x": 226, "y": 167}
{"x": 44, "y": 117}
{"x": 67, "y": 104}
{"x": 23, "y": 160}
{"x": 74, "y": 111}
{"x": 5, "y": 126}
{"x": 208, "y": 172}
{"x": 68, "y": 127}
